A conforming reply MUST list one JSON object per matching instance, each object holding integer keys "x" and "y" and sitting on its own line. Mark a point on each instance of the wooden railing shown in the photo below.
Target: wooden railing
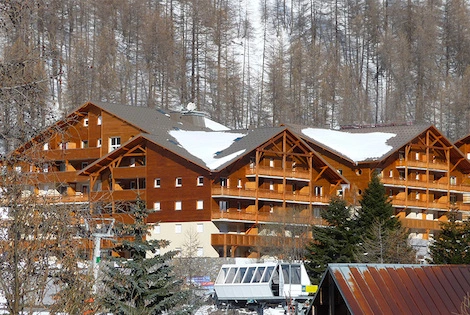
{"x": 56, "y": 177}
{"x": 288, "y": 217}
{"x": 121, "y": 195}
{"x": 436, "y": 165}
{"x": 268, "y": 194}
{"x": 72, "y": 154}
{"x": 129, "y": 172}
{"x": 420, "y": 224}
{"x": 279, "y": 172}
{"x": 249, "y": 240}
{"x": 430, "y": 204}
{"x": 425, "y": 184}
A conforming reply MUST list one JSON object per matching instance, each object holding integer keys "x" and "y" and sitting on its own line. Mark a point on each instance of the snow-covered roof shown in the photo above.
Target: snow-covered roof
{"x": 207, "y": 145}
{"x": 355, "y": 146}
{"x": 212, "y": 125}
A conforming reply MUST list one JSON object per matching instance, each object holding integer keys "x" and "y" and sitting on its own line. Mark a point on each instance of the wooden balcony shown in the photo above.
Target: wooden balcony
{"x": 290, "y": 174}
{"x": 420, "y": 224}
{"x": 432, "y": 205}
{"x": 129, "y": 172}
{"x": 72, "y": 154}
{"x": 287, "y": 217}
{"x": 253, "y": 240}
{"x": 56, "y": 177}
{"x": 435, "y": 185}
{"x": 436, "y": 165}
{"x": 288, "y": 196}
{"x": 117, "y": 195}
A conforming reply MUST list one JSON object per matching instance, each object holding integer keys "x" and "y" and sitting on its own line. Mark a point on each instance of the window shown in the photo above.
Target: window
{"x": 200, "y": 227}
{"x": 178, "y": 228}
{"x": 84, "y": 144}
{"x": 200, "y": 252}
{"x": 100, "y": 120}
{"x": 179, "y": 182}
{"x": 271, "y": 162}
{"x": 18, "y": 169}
{"x": 239, "y": 206}
{"x": 114, "y": 143}
{"x": 157, "y": 229}
{"x": 200, "y": 180}
{"x": 239, "y": 185}
{"x": 271, "y": 185}
{"x": 453, "y": 198}
{"x": 45, "y": 168}
{"x": 177, "y": 205}
{"x": 133, "y": 185}
{"x": 85, "y": 122}
{"x": 358, "y": 172}
{"x": 453, "y": 180}
{"x": 271, "y": 208}
{"x": 252, "y": 162}
{"x": 45, "y": 147}
{"x": 390, "y": 174}
{"x": 318, "y": 190}
{"x": 156, "y": 206}
{"x": 98, "y": 143}
{"x": 417, "y": 156}
{"x": 417, "y": 196}
{"x": 200, "y": 205}
{"x": 340, "y": 172}
{"x": 156, "y": 183}
{"x": 417, "y": 176}
{"x": 84, "y": 164}
{"x": 132, "y": 162}
{"x": 316, "y": 213}
{"x": 468, "y": 156}
{"x": 223, "y": 205}
{"x": 223, "y": 182}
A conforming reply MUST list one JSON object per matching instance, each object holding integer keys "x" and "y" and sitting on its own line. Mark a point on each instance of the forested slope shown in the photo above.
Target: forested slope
{"x": 246, "y": 63}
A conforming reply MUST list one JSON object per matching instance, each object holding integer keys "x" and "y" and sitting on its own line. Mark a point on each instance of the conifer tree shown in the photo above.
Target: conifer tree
{"x": 333, "y": 243}
{"x": 452, "y": 245}
{"x": 141, "y": 285}
{"x": 375, "y": 206}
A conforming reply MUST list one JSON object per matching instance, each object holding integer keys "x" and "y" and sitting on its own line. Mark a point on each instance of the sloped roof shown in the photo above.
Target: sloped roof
{"x": 391, "y": 138}
{"x": 398, "y": 289}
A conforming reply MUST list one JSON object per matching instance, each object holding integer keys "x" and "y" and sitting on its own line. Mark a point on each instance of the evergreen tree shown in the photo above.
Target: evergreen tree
{"x": 452, "y": 243}
{"x": 333, "y": 243}
{"x": 140, "y": 285}
{"x": 375, "y": 206}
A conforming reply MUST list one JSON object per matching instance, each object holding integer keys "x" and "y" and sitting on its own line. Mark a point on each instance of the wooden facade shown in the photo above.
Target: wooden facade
{"x": 106, "y": 156}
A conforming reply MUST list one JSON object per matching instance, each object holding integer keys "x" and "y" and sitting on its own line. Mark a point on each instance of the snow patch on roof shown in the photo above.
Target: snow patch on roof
{"x": 206, "y": 145}
{"x": 355, "y": 146}
{"x": 212, "y": 125}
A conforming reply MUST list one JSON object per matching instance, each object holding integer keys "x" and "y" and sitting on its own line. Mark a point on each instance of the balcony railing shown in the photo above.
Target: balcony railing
{"x": 56, "y": 177}
{"x": 420, "y": 224}
{"x": 279, "y": 172}
{"x": 430, "y": 204}
{"x": 249, "y": 240}
{"x": 387, "y": 181}
{"x": 114, "y": 195}
{"x": 129, "y": 172}
{"x": 72, "y": 154}
{"x": 269, "y": 195}
{"x": 288, "y": 217}
{"x": 436, "y": 165}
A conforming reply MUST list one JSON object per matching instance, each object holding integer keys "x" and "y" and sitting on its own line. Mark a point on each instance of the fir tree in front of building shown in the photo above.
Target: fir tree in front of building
{"x": 332, "y": 243}
{"x": 141, "y": 285}
{"x": 452, "y": 243}
{"x": 375, "y": 207}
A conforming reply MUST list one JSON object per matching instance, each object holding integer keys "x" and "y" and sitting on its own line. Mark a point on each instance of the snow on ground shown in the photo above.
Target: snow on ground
{"x": 206, "y": 145}
{"x": 356, "y": 146}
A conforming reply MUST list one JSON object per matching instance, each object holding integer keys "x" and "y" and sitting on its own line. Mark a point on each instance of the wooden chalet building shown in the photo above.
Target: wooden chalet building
{"x": 243, "y": 193}
{"x": 239, "y": 193}
{"x": 424, "y": 174}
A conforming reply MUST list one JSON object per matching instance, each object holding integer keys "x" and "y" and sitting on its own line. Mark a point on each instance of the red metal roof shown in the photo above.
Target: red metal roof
{"x": 400, "y": 289}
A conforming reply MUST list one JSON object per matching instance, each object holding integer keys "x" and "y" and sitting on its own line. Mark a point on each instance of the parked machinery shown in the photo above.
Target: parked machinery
{"x": 264, "y": 285}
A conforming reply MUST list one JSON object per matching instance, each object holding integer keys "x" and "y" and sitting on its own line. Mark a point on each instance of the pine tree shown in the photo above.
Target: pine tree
{"x": 375, "y": 206}
{"x": 333, "y": 243}
{"x": 452, "y": 243}
{"x": 140, "y": 285}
